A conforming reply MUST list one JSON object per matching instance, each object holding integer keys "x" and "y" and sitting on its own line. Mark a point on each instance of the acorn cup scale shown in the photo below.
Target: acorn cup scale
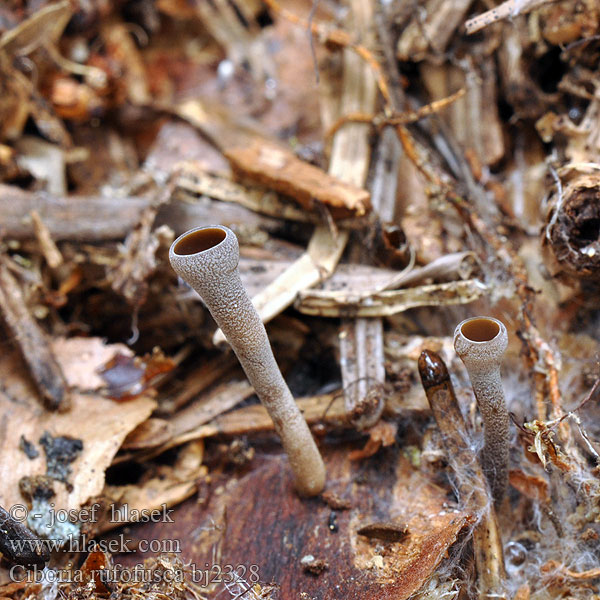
{"x": 207, "y": 259}
{"x": 480, "y": 342}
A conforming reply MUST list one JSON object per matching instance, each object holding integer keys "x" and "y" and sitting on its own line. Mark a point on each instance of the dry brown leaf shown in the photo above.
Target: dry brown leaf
{"x": 532, "y": 486}
{"x": 84, "y": 357}
{"x": 381, "y": 434}
{"x": 100, "y": 424}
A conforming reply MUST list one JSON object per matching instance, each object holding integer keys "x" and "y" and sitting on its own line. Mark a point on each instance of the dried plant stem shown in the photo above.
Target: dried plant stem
{"x": 395, "y": 119}
{"x": 470, "y": 479}
{"x": 506, "y": 10}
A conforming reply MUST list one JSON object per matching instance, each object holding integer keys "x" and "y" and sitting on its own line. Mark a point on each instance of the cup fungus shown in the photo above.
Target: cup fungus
{"x": 480, "y": 342}
{"x": 207, "y": 258}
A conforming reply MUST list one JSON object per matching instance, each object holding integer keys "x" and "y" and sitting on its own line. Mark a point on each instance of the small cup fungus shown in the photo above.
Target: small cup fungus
{"x": 207, "y": 259}
{"x": 480, "y": 342}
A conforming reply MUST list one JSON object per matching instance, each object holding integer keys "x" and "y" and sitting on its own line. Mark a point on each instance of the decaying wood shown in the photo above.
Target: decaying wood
{"x": 211, "y": 404}
{"x": 254, "y": 419}
{"x": 198, "y": 380}
{"x": 85, "y": 219}
{"x": 261, "y": 200}
{"x": 31, "y": 341}
{"x": 262, "y": 161}
{"x": 207, "y": 419}
{"x": 573, "y": 226}
{"x": 277, "y": 168}
{"x": 361, "y": 341}
{"x": 100, "y": 218}
{"x": 381, "y": 304}
{"x": 260, "y": 505}
{"x": 431, "y": 29}
{"x": 204, "y": 417}
{"x": 149, "y": 434}
{"x": 141, "y": 100}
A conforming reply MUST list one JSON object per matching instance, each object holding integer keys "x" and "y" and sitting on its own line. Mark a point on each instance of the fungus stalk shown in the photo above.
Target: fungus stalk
{"x": 480, "y": 342}
{"x": 207, "y": 259}
{"x": 471, "y": 481}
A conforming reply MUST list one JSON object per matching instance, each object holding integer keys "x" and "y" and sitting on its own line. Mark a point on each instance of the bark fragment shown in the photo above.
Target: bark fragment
{"x": 31, "y": 341}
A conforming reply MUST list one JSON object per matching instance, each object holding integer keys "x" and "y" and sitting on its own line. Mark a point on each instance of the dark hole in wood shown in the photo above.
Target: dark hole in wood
{"x": 590, "y": 230}
{"x": 199, "y": 241}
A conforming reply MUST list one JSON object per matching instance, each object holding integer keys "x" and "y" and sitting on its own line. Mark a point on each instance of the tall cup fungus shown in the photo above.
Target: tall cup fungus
{"x": 207, "y": 259}
{"x": 481, "y": 342}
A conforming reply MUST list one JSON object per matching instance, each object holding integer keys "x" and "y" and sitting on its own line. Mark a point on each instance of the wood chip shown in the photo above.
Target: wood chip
{"x": 387, "y": 531}
{"x": 276, "y": 168}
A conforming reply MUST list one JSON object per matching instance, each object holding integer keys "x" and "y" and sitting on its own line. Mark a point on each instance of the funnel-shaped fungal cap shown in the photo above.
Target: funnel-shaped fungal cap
{"x": 482, "y": 339}
{"x": 205, "y": 254}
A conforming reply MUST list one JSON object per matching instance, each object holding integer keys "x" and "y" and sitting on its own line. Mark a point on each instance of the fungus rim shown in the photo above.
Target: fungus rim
{"x": 199, "y": 240}
{"x": 482, "y": 322}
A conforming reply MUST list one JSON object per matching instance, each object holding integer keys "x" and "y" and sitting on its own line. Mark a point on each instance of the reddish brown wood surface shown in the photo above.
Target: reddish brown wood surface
{"x": 258, "y": 519}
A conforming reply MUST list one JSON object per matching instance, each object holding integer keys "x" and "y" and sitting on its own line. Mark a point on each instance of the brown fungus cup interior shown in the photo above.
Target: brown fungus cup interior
{"x": 199, "y": 241}
{"x": 480, "y": 330}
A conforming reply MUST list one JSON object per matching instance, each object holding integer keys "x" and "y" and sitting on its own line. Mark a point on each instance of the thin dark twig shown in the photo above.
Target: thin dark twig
{"x": 581, "y": 405}
{"x": 518, "y": 425}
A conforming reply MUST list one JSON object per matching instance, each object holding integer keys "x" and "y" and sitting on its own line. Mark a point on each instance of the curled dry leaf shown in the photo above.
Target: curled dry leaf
{"x": 128, "y": 377}
{"x": 381, "y": 434}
